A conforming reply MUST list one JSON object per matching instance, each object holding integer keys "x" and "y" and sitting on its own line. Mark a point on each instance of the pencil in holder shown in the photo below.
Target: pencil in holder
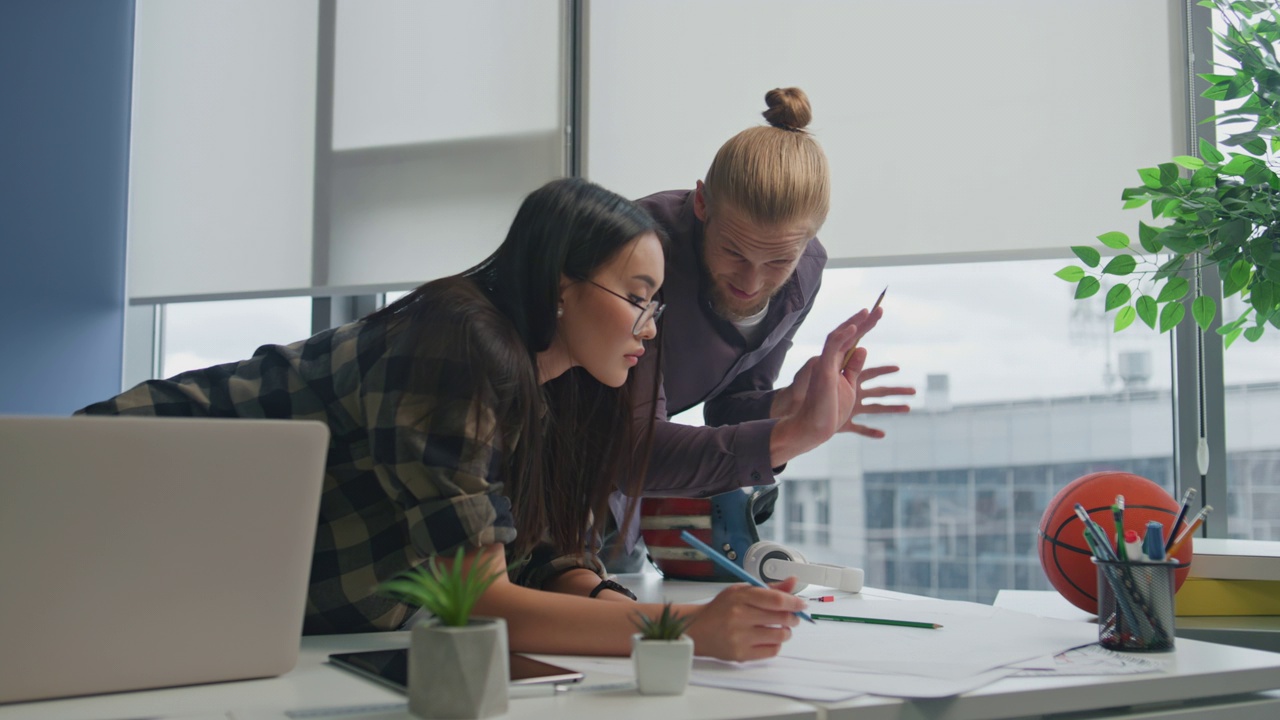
{"x": 1135, "y": 605}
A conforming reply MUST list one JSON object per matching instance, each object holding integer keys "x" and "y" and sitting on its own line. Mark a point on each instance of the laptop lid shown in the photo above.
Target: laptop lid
{"x": 150, "y": 552}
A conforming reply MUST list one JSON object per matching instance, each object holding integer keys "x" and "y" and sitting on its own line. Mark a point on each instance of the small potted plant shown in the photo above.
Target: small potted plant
{"x": 458, "y": 664}
{"x": 661, "y": 653}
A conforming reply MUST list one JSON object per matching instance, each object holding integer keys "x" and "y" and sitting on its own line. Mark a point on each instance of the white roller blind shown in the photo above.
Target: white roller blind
{"x": 409, "y": 71}
{"x": 444, "y": 116}
{"x": 953, "y": 128}
{"x": 222, "y": 147}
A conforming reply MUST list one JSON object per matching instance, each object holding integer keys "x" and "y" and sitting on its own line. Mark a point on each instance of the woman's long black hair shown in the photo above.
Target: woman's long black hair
{"x": 577, "y": 437}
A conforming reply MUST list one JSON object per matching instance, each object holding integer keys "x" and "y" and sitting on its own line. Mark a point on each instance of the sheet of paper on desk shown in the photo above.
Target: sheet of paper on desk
{"x": 1088, "y": 660}
{"x": 762, "y": 677}
{"x": 800, "y": 679}
{"x": 805, "y": 680}
{"x": 974, "y": 638}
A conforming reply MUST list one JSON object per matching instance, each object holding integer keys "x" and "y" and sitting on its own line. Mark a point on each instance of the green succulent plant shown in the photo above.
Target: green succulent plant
{"x": 448, "y": 593}
{"x": 1213, "y": 210}
{"x": 669, "y": 625}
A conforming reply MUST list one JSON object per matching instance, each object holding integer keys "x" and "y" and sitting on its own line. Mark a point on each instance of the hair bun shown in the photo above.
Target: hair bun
{"x": 788, "y": 108}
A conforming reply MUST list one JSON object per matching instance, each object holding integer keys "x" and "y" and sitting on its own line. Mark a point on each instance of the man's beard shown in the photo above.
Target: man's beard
{"x": 722, "y": 303}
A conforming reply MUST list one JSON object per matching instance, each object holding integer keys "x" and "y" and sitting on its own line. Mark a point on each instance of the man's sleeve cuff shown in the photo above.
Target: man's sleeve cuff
{"x": 751, "y": 446}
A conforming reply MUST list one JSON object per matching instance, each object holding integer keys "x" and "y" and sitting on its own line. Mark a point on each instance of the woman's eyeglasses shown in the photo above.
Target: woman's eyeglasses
{"x": 650, "y": 311}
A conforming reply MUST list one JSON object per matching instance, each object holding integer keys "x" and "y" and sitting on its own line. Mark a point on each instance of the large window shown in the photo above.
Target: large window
{"x": 1022, "y": 390}
{"x": 1251, "y": 399}
{"x": 1251, "y": 402}
{"x": 200, "y": 334}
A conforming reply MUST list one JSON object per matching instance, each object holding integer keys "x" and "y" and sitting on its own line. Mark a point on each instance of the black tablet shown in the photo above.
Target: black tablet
{"x": 391, "y": 668}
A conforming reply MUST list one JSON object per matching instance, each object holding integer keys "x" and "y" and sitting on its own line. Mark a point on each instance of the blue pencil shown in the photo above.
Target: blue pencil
{"x": 728, "y": 565}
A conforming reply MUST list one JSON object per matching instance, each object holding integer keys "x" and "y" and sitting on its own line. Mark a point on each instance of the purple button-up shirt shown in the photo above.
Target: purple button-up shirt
{"x": 707, "y": 360}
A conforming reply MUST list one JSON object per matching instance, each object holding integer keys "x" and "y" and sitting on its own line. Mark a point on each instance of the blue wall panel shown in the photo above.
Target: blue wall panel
{"x": 65, "y": 79}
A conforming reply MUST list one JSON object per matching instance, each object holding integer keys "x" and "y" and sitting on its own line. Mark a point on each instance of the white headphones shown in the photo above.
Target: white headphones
{"x": 772, "y": 562}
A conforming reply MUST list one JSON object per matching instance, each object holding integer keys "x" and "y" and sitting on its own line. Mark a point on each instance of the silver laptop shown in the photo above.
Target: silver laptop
{"x": 143, "y": 552}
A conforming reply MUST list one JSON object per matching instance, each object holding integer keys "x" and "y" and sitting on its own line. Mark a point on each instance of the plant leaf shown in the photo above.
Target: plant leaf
{"x": 1205, "y": 177}
{"x": 1071, "y": 273}
{"x": 1262, "y": 297}
{"x": 1261, "y": 249}
{"x": 1125, "y": 317}
{"x": 1233, "y": 232}
{"x": 1188, "y": 162}
{"x": 1147, "y": 310}
{"x": 1223, "y": 254}
{"x": 1087, "y": 255}
{"x": 448, "y": 593}
{"x": 1203, "y": 309}
{"x": 1230, "y": 327}
{"x": 1170, "y": 267}
{"x": 1151, "y": 178}
{"x": 1238, "y": 165}
{"x": 1117, "y": 296}
{"x": 1232, "y": 337}
{"x": 1174, "y": 289}
{"x": 1258, "y": 175}
{"x": 1237, "y": 278}
{"x": 1088, "y": 287}
{"x": 1147, "y": 238}
{"x": 1120, "y": 265}
{"x": 1171, "y": 315}
{"x": 1209, "y": 152}
{"x": 1254, "y": 333}
{"x": 1115, "y": 240}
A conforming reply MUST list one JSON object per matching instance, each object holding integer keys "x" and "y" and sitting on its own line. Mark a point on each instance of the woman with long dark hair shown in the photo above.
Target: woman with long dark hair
{"x": 487, "y": 410}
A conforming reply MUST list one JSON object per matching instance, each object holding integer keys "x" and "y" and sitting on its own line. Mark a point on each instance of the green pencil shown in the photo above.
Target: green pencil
{"x": 877, "y": 621}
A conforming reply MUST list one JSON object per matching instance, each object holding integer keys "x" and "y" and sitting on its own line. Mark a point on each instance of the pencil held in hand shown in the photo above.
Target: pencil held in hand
{"x": 849, "y": 355}
{"x": 877, "y": 621}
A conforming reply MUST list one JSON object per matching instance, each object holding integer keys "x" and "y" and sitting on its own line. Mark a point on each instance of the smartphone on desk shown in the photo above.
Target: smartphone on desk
{"x": 391, "y": 668}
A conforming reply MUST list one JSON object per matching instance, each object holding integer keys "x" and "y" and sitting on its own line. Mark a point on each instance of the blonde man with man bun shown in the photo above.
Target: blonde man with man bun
{"x": 743, "y": 268}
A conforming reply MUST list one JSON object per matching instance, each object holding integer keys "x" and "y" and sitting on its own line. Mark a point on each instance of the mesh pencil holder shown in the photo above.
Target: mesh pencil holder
{"x": 1135, "y": 605}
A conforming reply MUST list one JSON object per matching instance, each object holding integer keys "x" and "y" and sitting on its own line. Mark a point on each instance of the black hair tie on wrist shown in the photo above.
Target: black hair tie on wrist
{"x": 607, "y": 584}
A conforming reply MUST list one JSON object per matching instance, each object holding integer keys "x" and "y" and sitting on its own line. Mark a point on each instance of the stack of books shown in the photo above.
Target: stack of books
{"x": 1231, "y": 577}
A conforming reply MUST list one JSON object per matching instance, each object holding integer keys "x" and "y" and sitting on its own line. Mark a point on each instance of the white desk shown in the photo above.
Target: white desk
{"x": 1204, "y": 680}
{"x": 1257, "y": 632}
{"x": 316, "y": 684}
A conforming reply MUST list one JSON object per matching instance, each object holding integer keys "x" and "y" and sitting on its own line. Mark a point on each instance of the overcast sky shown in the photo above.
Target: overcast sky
{"x": 1000, "y": 331}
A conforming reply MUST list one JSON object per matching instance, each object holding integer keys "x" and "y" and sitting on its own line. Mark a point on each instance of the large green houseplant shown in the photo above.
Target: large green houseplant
{"x": 1213, "y": 210}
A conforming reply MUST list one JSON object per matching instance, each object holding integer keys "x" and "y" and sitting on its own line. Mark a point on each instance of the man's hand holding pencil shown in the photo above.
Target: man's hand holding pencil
{"x": 789, "y": 399}
{"x": 827, "y": 392}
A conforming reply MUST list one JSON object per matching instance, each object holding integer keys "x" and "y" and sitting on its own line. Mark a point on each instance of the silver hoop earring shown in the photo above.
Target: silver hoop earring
{"x": 559, "y": 312}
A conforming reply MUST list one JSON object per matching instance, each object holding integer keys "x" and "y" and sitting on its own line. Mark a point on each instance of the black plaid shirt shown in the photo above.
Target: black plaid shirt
{"x": 407, "y": 474}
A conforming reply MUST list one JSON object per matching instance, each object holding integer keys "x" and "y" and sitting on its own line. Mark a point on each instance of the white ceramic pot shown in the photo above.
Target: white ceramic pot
{"x": 662, "y": 666}
{"x": 458, "y": 672}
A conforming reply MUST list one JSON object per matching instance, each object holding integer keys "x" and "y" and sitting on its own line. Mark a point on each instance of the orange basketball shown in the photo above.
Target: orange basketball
{"x": 1064, "y": 554}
